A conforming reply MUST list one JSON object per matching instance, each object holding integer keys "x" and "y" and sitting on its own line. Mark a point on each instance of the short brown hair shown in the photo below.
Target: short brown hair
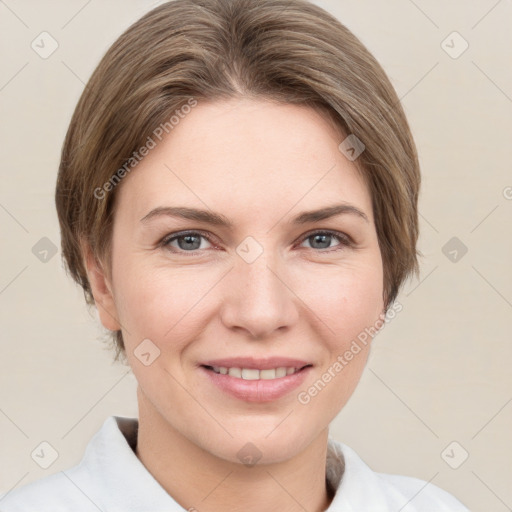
{"x": 289, "y": 51}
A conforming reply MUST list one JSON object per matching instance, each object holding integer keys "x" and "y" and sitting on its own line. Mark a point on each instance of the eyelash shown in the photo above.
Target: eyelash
{"x": 345, "y": 241}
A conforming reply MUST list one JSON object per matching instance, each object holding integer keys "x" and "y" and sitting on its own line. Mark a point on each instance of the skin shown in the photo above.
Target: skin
{"x": 259, "y": 164}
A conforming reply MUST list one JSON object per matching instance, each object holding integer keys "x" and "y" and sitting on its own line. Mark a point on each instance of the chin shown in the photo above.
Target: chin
{"x": 263, "y": 445}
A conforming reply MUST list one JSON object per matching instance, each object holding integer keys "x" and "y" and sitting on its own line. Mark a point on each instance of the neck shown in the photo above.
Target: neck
{"x": 200, "y": 481}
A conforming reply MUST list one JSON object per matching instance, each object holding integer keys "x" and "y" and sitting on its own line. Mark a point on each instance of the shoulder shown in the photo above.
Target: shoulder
{"x": 360, "y": 487}
{"x": 421, "y": 495}
{"x": 53, "y": 493}
{"x": 83, "y": 487}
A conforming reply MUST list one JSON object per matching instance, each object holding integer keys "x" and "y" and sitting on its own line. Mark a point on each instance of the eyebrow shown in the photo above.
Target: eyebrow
{"x": 217, "y": 219}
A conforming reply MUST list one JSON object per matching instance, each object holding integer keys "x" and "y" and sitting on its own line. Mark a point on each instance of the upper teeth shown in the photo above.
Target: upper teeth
{"x": 255, "y": 374}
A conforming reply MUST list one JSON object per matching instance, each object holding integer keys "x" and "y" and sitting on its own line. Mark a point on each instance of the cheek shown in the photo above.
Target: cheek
{"x": 349, "y": 308}
{"x": 156, "y": 302}
{"x": 347, "y": 299}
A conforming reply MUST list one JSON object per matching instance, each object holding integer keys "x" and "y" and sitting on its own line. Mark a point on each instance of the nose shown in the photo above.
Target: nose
{"x": 258, "y": 298}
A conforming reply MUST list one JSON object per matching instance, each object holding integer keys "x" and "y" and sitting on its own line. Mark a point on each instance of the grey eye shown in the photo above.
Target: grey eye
{"x": 322, "y": 240}
{"x": 186, "y": 242}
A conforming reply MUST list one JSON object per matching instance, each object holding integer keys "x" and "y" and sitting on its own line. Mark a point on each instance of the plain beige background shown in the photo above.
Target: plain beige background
{"x": 438, "y": 373}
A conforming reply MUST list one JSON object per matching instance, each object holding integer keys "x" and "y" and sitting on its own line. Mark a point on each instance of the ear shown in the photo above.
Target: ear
{"x": 101, "y": 290}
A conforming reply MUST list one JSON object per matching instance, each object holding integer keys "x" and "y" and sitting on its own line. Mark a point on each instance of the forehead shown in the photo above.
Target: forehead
{"x": 246, "y": 155}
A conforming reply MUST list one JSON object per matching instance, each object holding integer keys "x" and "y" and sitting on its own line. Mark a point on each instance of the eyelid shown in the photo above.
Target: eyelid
{"x": 344, "y": 239}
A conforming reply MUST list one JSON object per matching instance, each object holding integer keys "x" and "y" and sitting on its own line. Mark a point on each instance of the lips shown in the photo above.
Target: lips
{"x": 256, "y": 380}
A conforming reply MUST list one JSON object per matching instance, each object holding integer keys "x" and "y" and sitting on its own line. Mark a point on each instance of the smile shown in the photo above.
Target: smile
{"x": 256, "y": 384}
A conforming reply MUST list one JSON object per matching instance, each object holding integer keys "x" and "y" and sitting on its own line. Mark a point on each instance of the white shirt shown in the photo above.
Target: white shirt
{"x": 110, "y": 478}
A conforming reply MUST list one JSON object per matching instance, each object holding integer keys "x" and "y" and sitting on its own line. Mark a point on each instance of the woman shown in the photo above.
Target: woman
{"x": 237, "y": 196}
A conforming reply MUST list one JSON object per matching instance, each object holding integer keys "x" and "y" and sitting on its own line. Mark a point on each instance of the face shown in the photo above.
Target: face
{"x": 257, "y": 286}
